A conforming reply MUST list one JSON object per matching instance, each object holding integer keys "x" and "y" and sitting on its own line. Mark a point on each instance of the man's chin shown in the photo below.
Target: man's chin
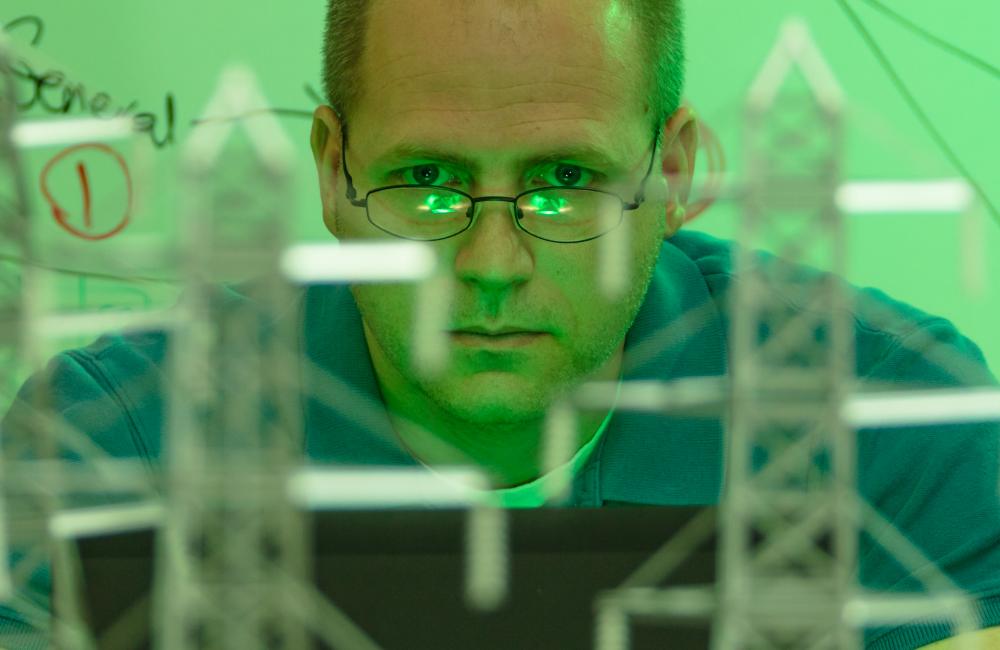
{"x": 495, "y": 414}
{"x": 495, "y": 399}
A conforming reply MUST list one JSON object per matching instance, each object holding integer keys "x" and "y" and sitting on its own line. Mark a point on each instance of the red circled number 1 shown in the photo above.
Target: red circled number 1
{"x": 63, "y": 217}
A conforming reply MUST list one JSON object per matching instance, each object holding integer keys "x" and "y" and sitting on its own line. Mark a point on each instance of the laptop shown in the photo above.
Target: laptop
{"x": 399, "y": 575}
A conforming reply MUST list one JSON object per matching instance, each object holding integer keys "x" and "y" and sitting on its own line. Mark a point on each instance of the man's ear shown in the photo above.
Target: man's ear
{"x": 325, "y": 141}
{"x": 680, "y": 150}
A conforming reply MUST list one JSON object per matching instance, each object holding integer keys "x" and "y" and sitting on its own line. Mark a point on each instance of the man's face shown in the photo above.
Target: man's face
{"x": 500, "y": 83}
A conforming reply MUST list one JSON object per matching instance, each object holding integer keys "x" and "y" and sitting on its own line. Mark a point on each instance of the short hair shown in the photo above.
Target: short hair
{"x": 661, "y": 37}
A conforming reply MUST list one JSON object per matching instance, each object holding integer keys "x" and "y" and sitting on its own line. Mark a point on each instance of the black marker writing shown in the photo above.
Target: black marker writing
{"x": 52, "y": 92}
{"x": 33, "y": 22}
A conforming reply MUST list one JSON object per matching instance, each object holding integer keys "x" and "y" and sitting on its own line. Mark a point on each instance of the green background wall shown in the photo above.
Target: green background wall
{"x": 140, "y": 53}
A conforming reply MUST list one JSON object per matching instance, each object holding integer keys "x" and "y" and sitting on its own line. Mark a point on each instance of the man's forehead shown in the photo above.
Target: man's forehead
{"x": 554, "y": 52}
{"x": 473, "y": 94}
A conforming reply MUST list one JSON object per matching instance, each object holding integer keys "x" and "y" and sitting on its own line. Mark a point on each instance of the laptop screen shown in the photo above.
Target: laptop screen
{"x": 401, "y": 577}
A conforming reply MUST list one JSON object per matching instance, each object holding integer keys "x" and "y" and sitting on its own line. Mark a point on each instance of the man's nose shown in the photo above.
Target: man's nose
{"x": 495, "y": 254}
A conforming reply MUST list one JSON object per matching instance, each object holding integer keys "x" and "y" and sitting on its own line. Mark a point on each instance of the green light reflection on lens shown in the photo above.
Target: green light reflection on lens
{"x": 548, "y": 206}
{"x": 442, "y": 203}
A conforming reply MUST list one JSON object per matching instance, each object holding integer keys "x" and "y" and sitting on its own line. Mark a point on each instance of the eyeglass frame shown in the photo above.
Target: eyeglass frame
{"x": 352, "y": 194}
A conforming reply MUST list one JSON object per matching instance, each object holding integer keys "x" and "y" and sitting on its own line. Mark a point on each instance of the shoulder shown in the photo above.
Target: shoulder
{"x": 110, "y": 390}
{"x": 894, "y": 341}
{"x": 114, "y": 390}
{"x": 935, "y": 484}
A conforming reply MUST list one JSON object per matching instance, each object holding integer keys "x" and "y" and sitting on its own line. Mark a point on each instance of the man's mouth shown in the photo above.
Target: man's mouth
{"x": 502, "y": 338}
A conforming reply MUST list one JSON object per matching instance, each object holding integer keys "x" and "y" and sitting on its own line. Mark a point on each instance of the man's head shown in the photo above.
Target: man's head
{"x": 499, "y": 82}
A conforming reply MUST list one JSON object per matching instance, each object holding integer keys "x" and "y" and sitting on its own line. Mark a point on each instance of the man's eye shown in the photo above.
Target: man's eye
{"x": 561, "y": 175}
{"x": 423, "y": 175}
{"x": 564, "y": 175}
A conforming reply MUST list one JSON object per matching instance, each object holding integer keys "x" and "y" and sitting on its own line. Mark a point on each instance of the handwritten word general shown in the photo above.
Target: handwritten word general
{"x": 54, "y": 93}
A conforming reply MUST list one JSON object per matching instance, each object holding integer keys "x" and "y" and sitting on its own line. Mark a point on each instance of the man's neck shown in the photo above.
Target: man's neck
{"x": 510, "y": 454}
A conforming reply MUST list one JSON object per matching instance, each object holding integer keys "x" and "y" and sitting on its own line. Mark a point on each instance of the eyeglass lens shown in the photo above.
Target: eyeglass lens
{"x": 560, "y": 214}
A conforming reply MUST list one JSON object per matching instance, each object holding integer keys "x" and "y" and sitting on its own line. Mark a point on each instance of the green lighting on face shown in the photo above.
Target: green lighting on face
{"x": 442, "y": 203}
{"x": 548, "y": 206}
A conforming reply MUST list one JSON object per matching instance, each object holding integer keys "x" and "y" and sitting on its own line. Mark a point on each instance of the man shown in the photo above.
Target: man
{"x": 493, "y": 99}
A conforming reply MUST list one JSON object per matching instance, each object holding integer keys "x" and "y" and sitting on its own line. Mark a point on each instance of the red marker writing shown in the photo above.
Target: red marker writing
{"x": 81, "y": 171}
{"x": 68, "y": 220}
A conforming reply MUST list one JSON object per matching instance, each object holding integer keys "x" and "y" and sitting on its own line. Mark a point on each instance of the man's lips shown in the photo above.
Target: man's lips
{"x": 504, "y": 338}
{"x": 496, "y": 331}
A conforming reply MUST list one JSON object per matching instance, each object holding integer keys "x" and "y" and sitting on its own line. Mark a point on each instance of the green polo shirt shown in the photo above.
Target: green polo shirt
{"x": 937, "y": 485}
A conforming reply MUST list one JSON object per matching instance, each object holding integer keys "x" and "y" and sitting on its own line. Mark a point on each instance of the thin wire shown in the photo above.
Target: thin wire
{"x": 283, "y": 112}
{"x": 314, "y": 94}
{"x": 918, "y": 110}
{"x": 965, "y": 55}
{"x": 85, "y": 274}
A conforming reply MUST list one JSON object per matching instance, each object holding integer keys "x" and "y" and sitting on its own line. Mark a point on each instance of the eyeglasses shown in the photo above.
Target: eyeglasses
{"x": 563, "y": 215}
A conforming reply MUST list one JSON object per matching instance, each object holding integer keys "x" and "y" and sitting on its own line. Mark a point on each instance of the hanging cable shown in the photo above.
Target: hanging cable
{"x": 919, "y": 111}
{"x": 949, "y": 47}
{"x": 14, "y": 259}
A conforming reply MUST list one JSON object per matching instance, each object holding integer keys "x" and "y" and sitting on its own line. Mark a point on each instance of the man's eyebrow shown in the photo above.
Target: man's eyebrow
{"x": 586, "y": 154}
